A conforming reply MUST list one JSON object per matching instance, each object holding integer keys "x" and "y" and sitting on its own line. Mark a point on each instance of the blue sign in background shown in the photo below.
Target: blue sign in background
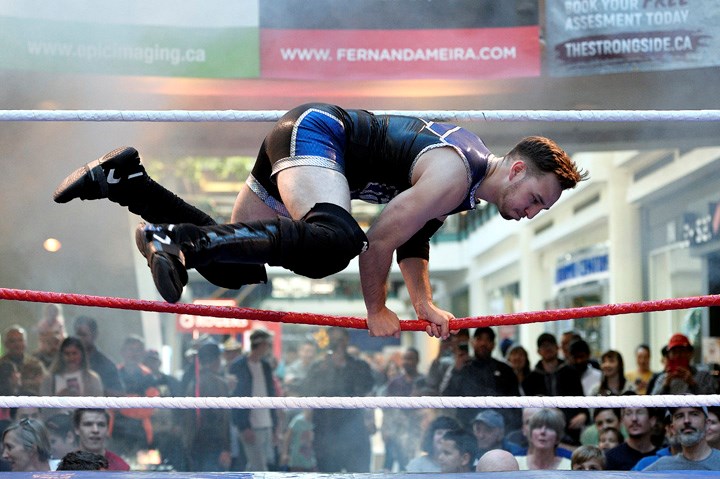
{"x": 581, "y": 267}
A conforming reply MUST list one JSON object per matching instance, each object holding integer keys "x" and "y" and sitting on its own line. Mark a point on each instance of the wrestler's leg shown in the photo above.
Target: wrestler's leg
{"x": 303, "y": 154}
{"x": 319, "y": 243}
{"x": 248, "y": 206}
{"x": 302, "y": 187}
{"x": 120, "y": 176}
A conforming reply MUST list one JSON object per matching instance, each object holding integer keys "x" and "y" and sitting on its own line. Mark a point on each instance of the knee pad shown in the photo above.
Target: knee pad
{"x": 323, "y": 242}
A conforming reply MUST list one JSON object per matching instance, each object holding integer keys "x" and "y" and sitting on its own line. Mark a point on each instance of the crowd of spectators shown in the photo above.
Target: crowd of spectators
{"x": 347, "y": 440}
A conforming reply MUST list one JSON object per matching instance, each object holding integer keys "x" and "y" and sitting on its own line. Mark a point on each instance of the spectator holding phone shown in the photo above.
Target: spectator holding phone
{"x": 70, "y": 374}
{"x": 680, "y": 376}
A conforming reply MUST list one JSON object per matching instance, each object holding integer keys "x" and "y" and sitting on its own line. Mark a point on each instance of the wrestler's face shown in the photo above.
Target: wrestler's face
{"x": 525, "y": 195}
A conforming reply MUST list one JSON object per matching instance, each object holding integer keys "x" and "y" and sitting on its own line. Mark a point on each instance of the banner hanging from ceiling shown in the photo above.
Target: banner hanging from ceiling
{"x": 400, "y": 39}
{"x": 290, "y": 39}
{"x": 588, "y": 37}
{"x": 194, "y": 38}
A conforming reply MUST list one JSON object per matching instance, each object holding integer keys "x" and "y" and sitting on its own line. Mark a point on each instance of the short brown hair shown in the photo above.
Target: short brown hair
{"x": 587, "y": 453}
{"x": 78, "y": 415}
{"x": 547, "y": 157}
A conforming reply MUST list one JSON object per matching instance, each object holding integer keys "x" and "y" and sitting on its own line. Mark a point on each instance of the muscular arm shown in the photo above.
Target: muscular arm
{"x": 416, "y": 274}
{"x": 440, "y": 183}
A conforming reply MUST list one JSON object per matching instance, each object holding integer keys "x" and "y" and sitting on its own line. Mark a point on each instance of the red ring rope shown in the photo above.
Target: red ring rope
{"x": 357, "y": 323}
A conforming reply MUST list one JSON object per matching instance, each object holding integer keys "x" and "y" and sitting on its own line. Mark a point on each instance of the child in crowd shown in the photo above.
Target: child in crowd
{"x": 588, "y": 458}
{"x": 457, "y": 450}
{"x": 609, "y": 438}
{"x": 298, "y": 449}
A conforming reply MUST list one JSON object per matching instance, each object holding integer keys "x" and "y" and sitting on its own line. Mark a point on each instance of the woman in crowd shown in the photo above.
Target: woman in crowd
{"x": 432, "y": 439}
{"x": 712, "y": 427}
{"x": 517, "y": 357}
{"x": 26, "y": 446}
{"x": 613, "y": 381}
{"x": 546, "y": 429}
{"x": 70, "y": 373}
{"x": 603, "y": 418}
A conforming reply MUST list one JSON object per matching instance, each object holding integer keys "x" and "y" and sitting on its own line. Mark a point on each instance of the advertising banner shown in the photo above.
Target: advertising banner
{"x": 293, "y": 39}
{"x": 197, "y": 38}
{"x": 587, "y": 37}
{"x": 399, "y": 39}
{"x": 398, "y": 54}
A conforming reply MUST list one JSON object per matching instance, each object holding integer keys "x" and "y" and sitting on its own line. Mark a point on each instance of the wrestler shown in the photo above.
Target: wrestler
{"x": 294, "y": 209}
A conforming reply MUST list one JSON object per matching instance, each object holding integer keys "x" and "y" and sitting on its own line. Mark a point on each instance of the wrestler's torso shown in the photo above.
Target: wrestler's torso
{"x": 376, "y": 153}
{"x": 382, "y": 150}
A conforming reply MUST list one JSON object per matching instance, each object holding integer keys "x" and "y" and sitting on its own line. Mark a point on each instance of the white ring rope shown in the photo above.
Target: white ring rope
{"x": 439, "y": 115}
{"x": 389, "y": 402}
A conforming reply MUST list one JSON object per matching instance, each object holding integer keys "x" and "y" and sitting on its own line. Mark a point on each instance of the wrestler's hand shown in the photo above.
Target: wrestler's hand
{"x": 383, "y": 323}
{"x": 439, "y": 320}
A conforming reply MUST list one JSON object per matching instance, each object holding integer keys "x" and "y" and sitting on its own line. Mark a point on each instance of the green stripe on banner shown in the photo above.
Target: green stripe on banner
{"x": 227, "y": 52}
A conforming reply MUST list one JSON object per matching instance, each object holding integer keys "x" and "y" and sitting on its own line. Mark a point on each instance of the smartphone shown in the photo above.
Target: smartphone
{"x": 73, "y": 384}
{"x": 674, "y": 363}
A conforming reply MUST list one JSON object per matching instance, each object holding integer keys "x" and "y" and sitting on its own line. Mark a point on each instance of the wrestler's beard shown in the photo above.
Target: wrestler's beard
{"x": 505, "y": 199}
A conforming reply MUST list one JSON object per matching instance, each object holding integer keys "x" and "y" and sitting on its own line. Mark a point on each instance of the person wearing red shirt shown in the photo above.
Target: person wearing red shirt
{"x": 91, "y": 428}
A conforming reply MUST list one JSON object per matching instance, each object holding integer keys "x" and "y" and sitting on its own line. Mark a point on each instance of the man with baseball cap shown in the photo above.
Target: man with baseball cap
{"x": 489, "y": 430}
{"x": 680, "y": 376}
{"x": 689, "y": 425}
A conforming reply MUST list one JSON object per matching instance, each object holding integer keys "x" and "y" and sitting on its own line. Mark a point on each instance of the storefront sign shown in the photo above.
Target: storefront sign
{"x": 187, "y": 323}
{"x": 581, "y": 268}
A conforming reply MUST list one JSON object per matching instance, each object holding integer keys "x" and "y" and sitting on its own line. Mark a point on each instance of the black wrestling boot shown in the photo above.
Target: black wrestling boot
{"x": 115, "y": 176}
{"x": 165, "y": 259}
{"x": 233, "y": 255}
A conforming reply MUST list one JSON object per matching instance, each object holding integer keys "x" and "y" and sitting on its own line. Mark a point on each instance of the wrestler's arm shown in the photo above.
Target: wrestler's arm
{"x": 439, "y": 186}
{"x": 416, "y": 274}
